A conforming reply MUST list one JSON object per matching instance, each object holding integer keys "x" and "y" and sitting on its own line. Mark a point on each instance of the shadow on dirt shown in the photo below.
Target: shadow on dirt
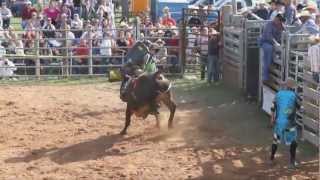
{"x": 84, "y": 151}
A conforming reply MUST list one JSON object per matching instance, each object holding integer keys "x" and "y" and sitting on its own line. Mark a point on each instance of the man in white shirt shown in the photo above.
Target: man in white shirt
{"x": 7, "y": 68}
{"x": 6, "y": 14}
{"x": 106, "y": 46}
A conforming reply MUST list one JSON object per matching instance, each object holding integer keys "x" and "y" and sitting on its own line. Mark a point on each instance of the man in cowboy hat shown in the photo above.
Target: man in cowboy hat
{"x": 308, "y": 24}
{"x": 283, "y": 115}
{"x": 213, "y": 53}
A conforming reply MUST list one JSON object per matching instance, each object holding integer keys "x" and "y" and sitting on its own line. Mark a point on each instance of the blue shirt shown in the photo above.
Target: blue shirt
{"x": 285, "y": 102}
{"x": 270, "y": 32}
{"x": 309, "y": 27}
{"x": 289, "y": 14}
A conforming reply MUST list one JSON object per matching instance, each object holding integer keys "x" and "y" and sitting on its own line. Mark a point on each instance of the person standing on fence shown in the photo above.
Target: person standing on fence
{"x": 213, "y": 53}
{"x": 6, "y": 15}
{"x": 271, "y": 36}
{"x": 283, "y": 119}
{"x": 309, "y": 25}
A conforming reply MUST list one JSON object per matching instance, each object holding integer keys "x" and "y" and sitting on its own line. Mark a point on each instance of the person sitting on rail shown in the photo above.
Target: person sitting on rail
{"x": 271, "y": 36}
{"x": 309, "y": 25}
{"x": 283, "y": 119}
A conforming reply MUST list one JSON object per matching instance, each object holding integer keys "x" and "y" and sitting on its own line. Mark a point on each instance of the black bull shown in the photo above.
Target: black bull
{"x": 143, "y": 94}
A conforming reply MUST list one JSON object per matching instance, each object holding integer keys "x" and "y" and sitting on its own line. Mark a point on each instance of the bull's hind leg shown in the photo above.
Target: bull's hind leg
{"x": 128, "y": 120}
{"x": 168, "y": 101}
{"x": 157, "y": 120}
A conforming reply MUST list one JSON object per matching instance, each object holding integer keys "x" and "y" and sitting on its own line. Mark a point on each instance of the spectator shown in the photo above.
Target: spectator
{"x": 271, "y": 36}
{"x": 290, "y": 12}
{"x": 67, "y": 11}
{"x": 122, "y": 42}
{"x": 195, "y": 19}
{"x": 82, "y": 53}
{"x": 52, "y": 12}
{"x": 7, "y": 68}
{"x": 272, "y": 8}
{"x": 76, "y": 26}
{"x": 262, "y": 11}
{"x": 6, "y": 15}
{"x": 69, "y": 36}
{"x": 308, "y": 24}
{"x": 35, "y": 21}
{"x": 63, "y": 21}
{"x": 162, "y": 53}
{"x": 106, "y": 46}
{"x": 167, "y": 20}
{"x": 49, "y": 29}
{"x": 213, "y": 56}
{"x": 278, "y": 10}
{"x": 87, "y": 10}
{"x": 130, "y": 39}
{"x": 173, "y": 44}
{"x": 312, "y": 8}
{"x": 15, "y": 46}
{"x": 27, "y": 13}
{"x": 77, "y": 7}
{"x": 29, "y": 36}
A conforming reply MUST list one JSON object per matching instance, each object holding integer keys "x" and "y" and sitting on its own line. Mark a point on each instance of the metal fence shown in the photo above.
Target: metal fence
{"x": 298, "y": 69}
{"x": 41, "y": 53}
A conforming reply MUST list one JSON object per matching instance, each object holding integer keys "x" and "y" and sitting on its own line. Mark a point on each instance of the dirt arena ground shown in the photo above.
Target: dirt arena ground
{"x": 55, "y": 131}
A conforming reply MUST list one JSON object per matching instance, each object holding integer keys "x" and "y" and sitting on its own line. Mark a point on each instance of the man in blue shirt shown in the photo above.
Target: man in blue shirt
{"x": 290, "y": 12}
{"x": 283, "y": 118}
{"x": 308, "y": 24}
{"x": 271, "y": 35}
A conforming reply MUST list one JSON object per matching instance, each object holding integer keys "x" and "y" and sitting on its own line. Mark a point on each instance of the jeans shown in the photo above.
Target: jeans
{"x": 316, "y": 77}
{"x": 213, "y": 68}
{"x": 267, "y": 59}
{"x": 204, "y": 59}
{"x": 5, "y": 23}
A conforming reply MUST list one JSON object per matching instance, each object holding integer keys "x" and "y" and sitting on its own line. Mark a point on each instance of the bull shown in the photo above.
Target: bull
{"x": 144, "y": 92}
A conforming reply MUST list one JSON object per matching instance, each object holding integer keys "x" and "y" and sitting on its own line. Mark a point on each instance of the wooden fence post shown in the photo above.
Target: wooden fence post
{"x": 90, "y": 52}
{"x": 38, "y": 73}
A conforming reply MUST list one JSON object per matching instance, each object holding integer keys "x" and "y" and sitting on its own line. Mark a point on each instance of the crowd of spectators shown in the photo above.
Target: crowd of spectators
{"x": 88, "y": 29}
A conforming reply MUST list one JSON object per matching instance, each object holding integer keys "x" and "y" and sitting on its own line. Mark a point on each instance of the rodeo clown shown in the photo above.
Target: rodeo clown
{"x": 283, "y": 119}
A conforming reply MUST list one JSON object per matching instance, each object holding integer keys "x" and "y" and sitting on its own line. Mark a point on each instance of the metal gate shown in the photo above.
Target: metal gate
{"x": 298, "y": 69}
{"x": 252, "y": 31}
{"x": 194, "y": 21}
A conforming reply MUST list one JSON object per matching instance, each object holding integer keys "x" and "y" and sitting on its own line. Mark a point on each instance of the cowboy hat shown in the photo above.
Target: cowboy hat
{"x": 160, "y": 42}
{"x": 304, "y": 13}
{"x": 165, "y": 9}
{"x": 214, "y": 32}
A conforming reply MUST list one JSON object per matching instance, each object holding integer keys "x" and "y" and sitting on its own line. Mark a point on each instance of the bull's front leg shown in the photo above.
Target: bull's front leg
{"x": 167, "y": 100}
{"x": 128, "y": 120}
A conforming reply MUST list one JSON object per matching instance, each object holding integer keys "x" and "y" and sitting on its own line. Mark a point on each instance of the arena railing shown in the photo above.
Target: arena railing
{"x": 45, "y": 57}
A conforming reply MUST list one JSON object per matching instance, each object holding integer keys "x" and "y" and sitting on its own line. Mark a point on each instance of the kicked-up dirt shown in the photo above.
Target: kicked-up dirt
{"x": 71, "y": 131}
